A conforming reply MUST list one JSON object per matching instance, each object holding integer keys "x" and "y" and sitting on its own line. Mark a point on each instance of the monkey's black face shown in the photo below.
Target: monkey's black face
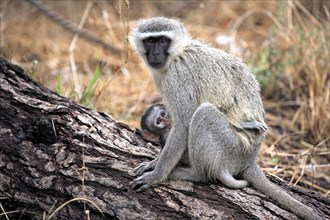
{"x": 157, "y": 50}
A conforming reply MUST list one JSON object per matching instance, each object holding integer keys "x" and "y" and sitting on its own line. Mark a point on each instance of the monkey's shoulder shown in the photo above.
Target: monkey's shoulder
{"x": 199, "y": 47}
{"x": 199, "y": 56}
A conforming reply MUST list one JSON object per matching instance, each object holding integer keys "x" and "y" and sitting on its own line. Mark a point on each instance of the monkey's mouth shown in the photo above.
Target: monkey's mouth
{"x": 157, "y": 65}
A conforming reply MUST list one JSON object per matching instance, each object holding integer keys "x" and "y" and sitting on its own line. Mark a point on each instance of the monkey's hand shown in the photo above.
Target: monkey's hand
{"x": 145, "y": 166}
{"x": 145, "y": 181}
{"x": 254, "y": 125}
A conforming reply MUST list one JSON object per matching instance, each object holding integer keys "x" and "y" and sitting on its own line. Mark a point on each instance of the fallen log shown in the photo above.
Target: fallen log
{"x": 53, "y": 150}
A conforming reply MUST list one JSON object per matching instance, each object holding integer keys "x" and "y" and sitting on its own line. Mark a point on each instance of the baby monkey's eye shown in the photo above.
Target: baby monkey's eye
{"x": 158, "y": 121}
{"x": 163, "y": 114}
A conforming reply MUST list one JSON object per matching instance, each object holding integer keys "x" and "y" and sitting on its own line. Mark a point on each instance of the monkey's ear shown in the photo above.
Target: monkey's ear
{"x": 150, "y": 136}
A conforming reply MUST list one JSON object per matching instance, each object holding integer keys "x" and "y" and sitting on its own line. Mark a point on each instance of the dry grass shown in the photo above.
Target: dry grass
{"x": 286, "y": 43}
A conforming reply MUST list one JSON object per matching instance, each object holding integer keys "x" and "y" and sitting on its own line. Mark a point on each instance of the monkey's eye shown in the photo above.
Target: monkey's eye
{"x": 164, "y": 41}
{"x": 149, "y": 40}
{"x": 163, "y": 114}
{"x": 158, "y": 121}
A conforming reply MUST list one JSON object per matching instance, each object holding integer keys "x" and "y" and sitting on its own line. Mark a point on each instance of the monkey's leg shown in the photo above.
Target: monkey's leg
{"x": 231, "y": 182}
{"x": 145, "y": 166}
{"x": 212, "y": 146}
{"x": 188, "y": 174}
{"x": 209, "y": 135}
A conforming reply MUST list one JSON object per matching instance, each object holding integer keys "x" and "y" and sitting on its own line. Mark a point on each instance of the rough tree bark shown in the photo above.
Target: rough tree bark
{"x": 48, "y": 143}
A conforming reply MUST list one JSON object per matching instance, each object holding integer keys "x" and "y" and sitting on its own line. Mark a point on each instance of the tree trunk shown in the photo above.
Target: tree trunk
{"x": 53, "y": 150}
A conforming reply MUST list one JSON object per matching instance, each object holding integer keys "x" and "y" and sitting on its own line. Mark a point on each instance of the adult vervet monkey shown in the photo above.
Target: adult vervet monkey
{"x": 208, "y": 92}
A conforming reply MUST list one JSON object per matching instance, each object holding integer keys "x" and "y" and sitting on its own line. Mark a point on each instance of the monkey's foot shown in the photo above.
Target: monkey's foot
{"x": 145, "y": 181}
{"x": 145, "y": 166}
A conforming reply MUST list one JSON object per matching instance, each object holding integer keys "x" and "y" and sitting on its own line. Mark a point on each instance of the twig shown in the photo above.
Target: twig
{"x": 70, "y": 26}
{"x": 72, "y": 47}
{"x": 4, "y": 212}
{"x": 72, "y": 200}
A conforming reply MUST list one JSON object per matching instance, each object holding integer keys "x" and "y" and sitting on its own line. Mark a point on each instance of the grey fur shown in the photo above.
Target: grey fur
{"x": 208, "y": 93}
{"x": 147, "y": 123}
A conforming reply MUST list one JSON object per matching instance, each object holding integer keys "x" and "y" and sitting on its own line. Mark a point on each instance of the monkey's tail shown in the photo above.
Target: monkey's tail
{"x": 258, "y": 180}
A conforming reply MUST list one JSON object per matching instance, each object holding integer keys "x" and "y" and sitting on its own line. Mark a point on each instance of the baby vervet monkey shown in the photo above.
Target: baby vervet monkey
{"x": 208, "y": 93}
{"x": 156, "y": 124}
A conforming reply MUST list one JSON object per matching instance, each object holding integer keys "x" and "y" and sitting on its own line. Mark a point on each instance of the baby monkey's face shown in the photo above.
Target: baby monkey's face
{"x": 159, "y": 120}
